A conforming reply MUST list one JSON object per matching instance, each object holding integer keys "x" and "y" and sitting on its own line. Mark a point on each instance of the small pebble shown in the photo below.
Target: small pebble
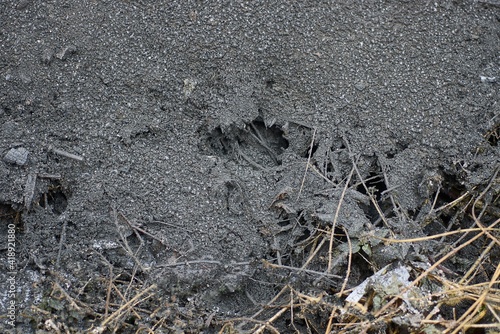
{"x": 488, "y": 79}
{"x": 18, "y": 156}
{"x": 47, "y": 56}
{"x": 23, "y": 4}
{"x": 360, "y": 85}
{"x": 66, "y": 52}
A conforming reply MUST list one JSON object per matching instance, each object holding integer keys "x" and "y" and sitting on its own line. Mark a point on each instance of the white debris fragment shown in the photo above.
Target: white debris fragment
{"x": 105, "y": 244}
{"x": 390, "y": 282}
{"x": 488, "y": 79}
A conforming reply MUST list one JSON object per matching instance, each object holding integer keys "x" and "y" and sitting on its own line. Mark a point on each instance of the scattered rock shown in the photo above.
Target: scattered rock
{"x": 360, "y": 85}
{"x": 47, "y": 56}
{"x": 66, "y": 52}
{"x": 488, "y": 79}
{"x": 23, "y": 4}
{"x": 18, "y": 156}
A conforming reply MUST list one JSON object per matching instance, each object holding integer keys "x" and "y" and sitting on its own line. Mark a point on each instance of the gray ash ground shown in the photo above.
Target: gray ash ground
{"x": 195, "y": 122}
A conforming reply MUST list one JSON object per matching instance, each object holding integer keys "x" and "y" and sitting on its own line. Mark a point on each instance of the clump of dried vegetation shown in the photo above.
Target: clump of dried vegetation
{"x": 434, "y": 300}
{"x": 453, "y": 289}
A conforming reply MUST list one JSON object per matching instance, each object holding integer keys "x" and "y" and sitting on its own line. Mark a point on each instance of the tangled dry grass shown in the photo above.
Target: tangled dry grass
{"x": 435, "y": 300}
{"x": 453, "y": 289}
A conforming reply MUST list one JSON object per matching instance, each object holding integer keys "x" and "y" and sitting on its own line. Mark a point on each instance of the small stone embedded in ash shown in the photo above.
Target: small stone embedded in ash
{"x": 488, "y": 79}
{"x": 66, "y": 52}
{"x": 47, "y": 56}
{"x": 18, "y": 156}
{"x": 23, "y": 4}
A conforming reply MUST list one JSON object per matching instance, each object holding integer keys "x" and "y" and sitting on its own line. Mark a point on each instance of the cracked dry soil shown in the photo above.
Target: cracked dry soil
{"x": 180, "y": 143}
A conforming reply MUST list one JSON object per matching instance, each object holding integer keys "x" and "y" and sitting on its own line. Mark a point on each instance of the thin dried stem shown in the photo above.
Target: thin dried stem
{"x": 349, "y": 264}
{"x": 334, "y": 224}
{"x": 309, "y": 271}
{"x": 275, "y": 298}
{"x": 271, "y": 320}
{"x": 307, "y": 165}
